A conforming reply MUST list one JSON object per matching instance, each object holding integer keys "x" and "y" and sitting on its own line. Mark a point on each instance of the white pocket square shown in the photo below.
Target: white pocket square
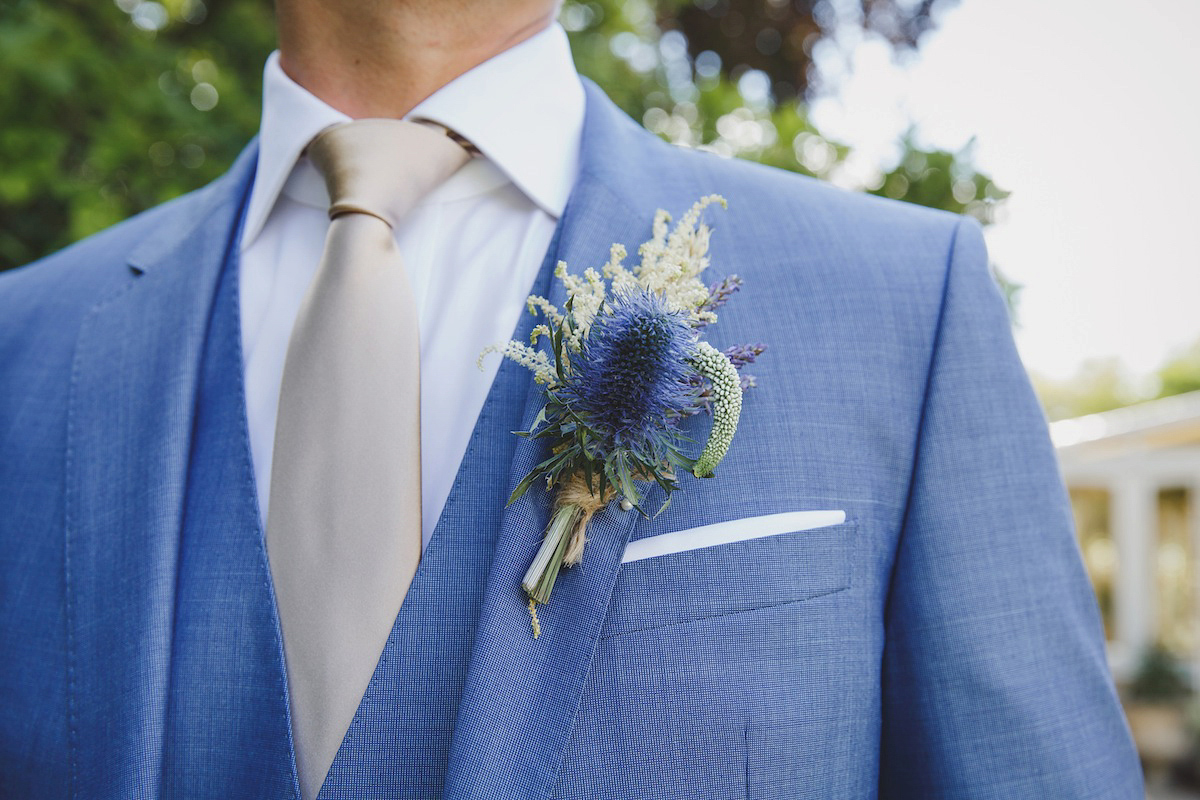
{"x": 737, "y": 530}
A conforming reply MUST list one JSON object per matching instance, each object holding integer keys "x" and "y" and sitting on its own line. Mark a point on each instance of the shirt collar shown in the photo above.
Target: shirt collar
{"x": 523, "y": 109}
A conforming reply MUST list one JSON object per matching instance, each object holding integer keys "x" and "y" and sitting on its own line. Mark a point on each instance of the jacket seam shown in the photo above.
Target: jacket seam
{"x": 934, "y": 351}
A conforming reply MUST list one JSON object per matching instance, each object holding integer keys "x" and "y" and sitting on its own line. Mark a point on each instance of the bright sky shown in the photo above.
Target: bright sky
{"x": 1089, "y": 112}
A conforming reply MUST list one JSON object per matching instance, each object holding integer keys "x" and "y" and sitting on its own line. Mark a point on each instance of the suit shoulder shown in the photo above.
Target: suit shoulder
{"x": 805, "y": 246}
{"x": 796, "y": 202}
{"x": 59, "y": 289}
{"x": 789, "y": 221}
{"x": 44, "y": 303}
{"x": 84, "y": 273}
{"x": 84, "y": 269}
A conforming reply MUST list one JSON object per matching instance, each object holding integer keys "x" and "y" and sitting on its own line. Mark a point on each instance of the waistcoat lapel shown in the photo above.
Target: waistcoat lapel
{"x": 227, "y": 718}
{"x": 129, "y": 423}
{"x": 521, "y": 694}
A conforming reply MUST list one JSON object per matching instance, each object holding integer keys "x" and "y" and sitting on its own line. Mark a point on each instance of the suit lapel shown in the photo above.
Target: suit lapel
{"x": 130, "y": 420}
{"x": 521, "y": 695}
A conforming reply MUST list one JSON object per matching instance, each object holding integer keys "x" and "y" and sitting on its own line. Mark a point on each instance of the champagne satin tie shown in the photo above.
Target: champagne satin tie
{"x": 344, "y": 525}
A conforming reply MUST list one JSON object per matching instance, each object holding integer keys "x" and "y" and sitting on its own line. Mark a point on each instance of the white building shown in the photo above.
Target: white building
{"x": 1134, "y": 479}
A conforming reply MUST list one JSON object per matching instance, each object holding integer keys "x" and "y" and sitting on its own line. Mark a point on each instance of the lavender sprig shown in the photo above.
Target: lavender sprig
{"x": 742, "y": 354}
{"x": 718, "y": 295}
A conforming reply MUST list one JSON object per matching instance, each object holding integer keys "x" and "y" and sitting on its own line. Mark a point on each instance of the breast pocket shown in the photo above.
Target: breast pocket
{"x": 731, "y": 578}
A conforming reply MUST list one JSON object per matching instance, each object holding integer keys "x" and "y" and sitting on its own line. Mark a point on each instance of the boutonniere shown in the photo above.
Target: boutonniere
{"x": 626, "y": 362}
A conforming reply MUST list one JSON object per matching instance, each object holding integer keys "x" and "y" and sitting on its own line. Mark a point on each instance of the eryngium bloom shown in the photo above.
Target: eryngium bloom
{"x": 632, "y": 380}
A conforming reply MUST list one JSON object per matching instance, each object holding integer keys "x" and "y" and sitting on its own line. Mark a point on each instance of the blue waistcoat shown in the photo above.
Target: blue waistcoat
{"x": 226, "y": 626}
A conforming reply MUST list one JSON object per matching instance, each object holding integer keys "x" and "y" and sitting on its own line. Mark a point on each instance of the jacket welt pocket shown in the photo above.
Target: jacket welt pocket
{"x": 728, "y": 578}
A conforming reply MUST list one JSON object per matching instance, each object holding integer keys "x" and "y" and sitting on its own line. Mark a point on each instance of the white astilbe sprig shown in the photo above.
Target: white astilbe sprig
{"x": 587, "y": 293}
{"x": 673, "y": 259}
{"x": 670, "y": 266}
{"x": 535, "y": 304}
{"x": 536, "y": 361}
{"x": 619, "y": 278}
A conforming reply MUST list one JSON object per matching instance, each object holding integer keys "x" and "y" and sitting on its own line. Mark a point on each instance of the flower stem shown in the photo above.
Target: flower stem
{"x": 539, "y": 579}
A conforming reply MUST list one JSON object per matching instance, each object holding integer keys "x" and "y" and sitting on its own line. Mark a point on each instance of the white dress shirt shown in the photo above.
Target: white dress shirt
{"x": 472, "y": 248}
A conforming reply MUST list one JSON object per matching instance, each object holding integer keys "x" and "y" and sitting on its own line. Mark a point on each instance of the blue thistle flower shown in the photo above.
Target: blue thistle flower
{"x": 632, "y": 379}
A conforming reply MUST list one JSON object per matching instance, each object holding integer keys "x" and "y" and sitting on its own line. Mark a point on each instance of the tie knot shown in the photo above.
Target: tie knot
{"x": 383, "y": 167}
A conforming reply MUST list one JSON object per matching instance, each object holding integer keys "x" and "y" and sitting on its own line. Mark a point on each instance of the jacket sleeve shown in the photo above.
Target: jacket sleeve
{"x": 995, "y": 681}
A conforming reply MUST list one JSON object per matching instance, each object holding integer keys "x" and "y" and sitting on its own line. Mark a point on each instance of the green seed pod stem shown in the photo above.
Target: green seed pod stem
{"x": 727, "y": 405}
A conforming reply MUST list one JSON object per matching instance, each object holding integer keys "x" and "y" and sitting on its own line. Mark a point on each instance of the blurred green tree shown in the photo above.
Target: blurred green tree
{"x": 1181, "y": 373}
{"x": 112, "y": 108}
{"x": 1097, "y": 385}
{"x": 1105, "y": 384}
{"x": 109, "y": 109}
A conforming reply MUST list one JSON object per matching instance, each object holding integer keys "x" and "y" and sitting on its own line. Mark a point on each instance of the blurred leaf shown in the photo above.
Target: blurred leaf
{"x": 1098, "y": 385}
{"x": 1181, "y": 373}
{"x": 90, "y": 96}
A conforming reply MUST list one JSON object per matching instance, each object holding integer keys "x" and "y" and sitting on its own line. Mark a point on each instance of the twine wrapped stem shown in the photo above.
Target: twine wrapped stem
{"x": 566, "y": 535}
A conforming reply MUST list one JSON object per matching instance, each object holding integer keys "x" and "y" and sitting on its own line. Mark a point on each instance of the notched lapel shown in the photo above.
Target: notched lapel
{"x": 129, "y": 429}
{"x": 521, "y": 694}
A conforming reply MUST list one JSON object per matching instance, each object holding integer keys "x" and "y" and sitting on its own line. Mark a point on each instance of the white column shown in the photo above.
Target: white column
{"x": 1134, "y": 520}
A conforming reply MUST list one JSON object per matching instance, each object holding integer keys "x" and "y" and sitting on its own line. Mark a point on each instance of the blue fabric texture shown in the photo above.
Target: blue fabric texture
{"x": 226, "y": 638}
{"x": 942, "y": 643}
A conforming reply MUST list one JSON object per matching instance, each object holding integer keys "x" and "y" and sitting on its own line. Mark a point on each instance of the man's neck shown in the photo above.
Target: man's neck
{"x": 378, "y": 59}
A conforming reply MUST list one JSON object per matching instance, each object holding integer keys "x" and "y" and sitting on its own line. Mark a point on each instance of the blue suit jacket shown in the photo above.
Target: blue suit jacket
{"x": 942, "y": 642}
